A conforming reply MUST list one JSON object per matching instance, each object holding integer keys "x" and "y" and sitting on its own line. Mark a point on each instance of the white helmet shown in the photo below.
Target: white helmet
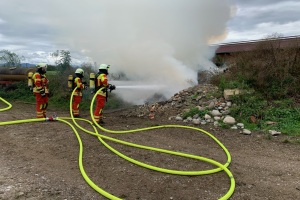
{"x": 79, "y": 71}
{"x": 40, "y": 65}
{"x": 104, "y": 66}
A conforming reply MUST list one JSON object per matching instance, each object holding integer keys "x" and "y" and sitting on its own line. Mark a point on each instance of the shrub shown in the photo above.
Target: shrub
{"x": 269, "y": 69}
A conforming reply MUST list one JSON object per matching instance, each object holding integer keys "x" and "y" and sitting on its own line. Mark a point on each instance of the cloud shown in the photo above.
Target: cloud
{"x": 257, "y": 19}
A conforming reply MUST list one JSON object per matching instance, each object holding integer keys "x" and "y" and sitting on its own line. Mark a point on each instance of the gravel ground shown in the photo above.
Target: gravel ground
{"x": 40, "y": 160}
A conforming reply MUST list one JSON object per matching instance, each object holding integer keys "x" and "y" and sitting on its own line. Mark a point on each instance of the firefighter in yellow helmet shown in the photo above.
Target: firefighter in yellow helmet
{"x": 41, "y": 89}
{"x": 77, "y": 97}
{"x": 101, "y": 83}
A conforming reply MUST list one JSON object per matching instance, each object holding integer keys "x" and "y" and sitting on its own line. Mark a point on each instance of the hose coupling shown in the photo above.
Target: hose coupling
{"x": 52, "y": 118}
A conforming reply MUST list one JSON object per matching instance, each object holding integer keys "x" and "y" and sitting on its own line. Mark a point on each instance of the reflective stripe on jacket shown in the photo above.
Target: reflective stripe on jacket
{"x": 40, "y": 83}
{"x": 78, "y": 83}
{"x": 102, "y": 83}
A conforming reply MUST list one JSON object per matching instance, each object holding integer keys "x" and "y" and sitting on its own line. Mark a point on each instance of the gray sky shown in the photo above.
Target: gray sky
{"x": 257, "y": 19}
{"x": 30, "y": 27}
{"x": 161, "y": 42}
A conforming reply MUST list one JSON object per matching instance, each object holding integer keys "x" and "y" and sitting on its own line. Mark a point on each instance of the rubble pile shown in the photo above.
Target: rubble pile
{"x": 203, "y": 97}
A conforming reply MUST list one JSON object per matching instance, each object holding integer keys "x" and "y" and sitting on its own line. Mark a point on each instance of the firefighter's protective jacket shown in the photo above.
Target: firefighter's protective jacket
{"x": 40, "y": 83}
{"x": 101, "y": 84}
{"x": 78, "y": 83}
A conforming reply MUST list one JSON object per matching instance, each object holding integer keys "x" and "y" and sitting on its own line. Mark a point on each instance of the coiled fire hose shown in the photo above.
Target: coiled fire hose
{"x": 101, "y": 138}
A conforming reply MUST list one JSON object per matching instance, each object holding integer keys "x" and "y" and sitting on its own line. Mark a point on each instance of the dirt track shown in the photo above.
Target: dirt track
{"x": 40, "y": 161}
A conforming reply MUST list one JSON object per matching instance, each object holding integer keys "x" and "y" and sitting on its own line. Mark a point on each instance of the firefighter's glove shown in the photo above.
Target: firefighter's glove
{"x": 111, "y": 87}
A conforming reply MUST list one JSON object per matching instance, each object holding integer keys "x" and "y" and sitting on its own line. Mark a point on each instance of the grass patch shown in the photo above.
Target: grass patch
{"x": 284, "y": 113}
{"x": 194, "y": 111}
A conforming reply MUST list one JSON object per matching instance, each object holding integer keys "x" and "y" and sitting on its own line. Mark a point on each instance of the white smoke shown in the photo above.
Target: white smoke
{"x": 161, "y": 42}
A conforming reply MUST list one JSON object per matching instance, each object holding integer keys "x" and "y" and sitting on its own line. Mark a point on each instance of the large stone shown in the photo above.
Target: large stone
{"x": 215, "y": 113}
{"x": 229, "y": 120}
{"x": 228, "y": 93}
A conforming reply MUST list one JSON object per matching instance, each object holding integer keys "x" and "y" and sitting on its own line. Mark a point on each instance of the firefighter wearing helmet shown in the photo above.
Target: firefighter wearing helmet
{"x": 79, "y": 85}
{"x": 101, "y": 85}
{"x": 41, "y": 89}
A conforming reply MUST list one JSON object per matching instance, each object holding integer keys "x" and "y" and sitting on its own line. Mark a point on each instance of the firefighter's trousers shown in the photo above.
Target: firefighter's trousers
{"x": 75, "y": 105}
{"x": 99, "y": 107}
{"x": 41, "y": 105}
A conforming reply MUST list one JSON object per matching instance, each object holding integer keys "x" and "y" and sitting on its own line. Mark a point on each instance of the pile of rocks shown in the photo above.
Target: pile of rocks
{"x": 203, "y": 97}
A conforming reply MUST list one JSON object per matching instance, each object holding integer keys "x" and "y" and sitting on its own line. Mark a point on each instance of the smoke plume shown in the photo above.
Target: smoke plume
{"x": 154, "y": 42}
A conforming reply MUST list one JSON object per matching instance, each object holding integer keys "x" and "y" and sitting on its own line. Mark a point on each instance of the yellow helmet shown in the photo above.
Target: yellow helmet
{"x": 104, "y": 66}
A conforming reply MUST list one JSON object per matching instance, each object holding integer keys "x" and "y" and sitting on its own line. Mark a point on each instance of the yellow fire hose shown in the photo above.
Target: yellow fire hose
{"x": 7, "y": 103}
{"x": 101, "y": 138}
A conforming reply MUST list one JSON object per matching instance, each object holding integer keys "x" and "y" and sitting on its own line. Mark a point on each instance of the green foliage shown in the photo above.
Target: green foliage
{"x": 223, "y": 81}
{"x": 17, "y": 91}
{"x": 194, "y": 111}
{"x": 288, "y": 119}
{"x": 249, "y": 105}
{"x": 270, "y": 69}
{"x": 215, "y": 94}
{"x": 63, "y": 59}
{"x": 272, "y": 73}
{"x": 284, "y": 113}
{"x": 224, "y": 125}
{"x": 10, "y": 59}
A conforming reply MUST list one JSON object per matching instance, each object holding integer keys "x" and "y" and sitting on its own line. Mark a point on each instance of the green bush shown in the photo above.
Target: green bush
{"x": 17, "y": 91}
{"x": 272, "y": 72}
{"x": 248, "y": 105}
{"x": 270, "y": 69}
{"x": 284, "y": 113}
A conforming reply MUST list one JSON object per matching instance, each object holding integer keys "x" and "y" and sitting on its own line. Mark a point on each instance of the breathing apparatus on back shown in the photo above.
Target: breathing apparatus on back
{"x": 70, "y": 82}
{"x": 79, "y": 73}
{"x": 92, "y": 82}
{"x": 103, "y": 69}
{"x": 30, "y": 81}
{"x": 41, "y": 68}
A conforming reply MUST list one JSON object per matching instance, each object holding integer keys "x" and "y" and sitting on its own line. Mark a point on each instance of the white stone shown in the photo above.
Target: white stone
{"x": 211, "y": 105}
{"x": 206, "y": 116}
{"x": 215, "y": 113}
{"x": 274, "y": 133}
{"x": 240, "y": 125}
{"x": 216, "y": 123}
{"x": 228, "y": 103}
{"x": 178, "y": 118}
{"x": 246, "y": 132}
{"x": 229, "y": 120}
{"x": 228, "y": 93}
{"x": 217, "y": 118}
{"x": 196, "y": 121}
{"x": 189, "y": 119}
{"x": 234, "y": 127}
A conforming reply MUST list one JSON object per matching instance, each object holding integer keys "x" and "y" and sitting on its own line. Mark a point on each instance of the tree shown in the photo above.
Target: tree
{"x": 10, "y": 59}
{"x": 63, "y": 59}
